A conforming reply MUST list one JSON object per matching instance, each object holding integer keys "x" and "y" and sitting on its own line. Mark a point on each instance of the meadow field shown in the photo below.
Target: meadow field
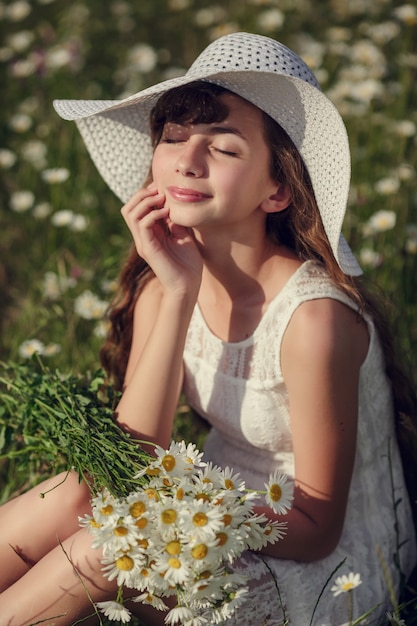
{"x": 62, "y": 240}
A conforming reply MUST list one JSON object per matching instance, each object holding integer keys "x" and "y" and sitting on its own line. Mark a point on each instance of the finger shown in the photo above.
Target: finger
{"x": 138, "y": 197}
{"x": 133, "y": 211}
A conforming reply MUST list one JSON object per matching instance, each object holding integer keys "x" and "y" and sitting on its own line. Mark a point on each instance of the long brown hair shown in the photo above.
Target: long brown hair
{"x": 299, "y": 227}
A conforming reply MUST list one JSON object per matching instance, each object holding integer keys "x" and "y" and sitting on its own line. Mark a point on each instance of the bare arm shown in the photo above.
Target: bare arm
{"x": 162, "y": 316}
{"x": 322, "y": 352}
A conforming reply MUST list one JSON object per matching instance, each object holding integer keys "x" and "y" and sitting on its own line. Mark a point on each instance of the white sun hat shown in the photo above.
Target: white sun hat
{"x": 264, "y": 72}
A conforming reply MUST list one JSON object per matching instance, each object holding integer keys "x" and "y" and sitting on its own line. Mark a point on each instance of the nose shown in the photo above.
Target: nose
{"x": 191, "y": 160}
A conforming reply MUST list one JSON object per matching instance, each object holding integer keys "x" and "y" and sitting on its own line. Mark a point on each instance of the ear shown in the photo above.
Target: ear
{"x": 278, "y": 201}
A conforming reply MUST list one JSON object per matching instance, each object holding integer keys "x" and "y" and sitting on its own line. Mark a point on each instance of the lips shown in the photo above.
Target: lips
{"x": 184, "y": 194}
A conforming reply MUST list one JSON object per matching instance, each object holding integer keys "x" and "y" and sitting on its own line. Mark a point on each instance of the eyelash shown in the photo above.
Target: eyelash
{"x": 175, "y": 141}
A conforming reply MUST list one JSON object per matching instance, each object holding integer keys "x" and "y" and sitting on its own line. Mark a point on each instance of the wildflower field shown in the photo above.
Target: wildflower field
{"x": 62, "y": 239}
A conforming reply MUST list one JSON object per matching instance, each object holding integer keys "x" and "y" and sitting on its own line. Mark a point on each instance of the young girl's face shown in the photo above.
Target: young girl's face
{"x": 217, "y": 173}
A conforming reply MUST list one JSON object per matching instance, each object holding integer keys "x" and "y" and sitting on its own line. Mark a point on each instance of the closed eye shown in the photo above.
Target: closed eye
{"x": 226, "y": 152}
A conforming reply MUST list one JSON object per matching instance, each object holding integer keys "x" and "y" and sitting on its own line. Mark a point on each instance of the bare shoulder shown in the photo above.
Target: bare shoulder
{"x": 326, "y": 328}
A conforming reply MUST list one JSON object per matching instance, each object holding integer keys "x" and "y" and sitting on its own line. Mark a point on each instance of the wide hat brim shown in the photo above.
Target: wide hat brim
{"x": 117, "y": 132}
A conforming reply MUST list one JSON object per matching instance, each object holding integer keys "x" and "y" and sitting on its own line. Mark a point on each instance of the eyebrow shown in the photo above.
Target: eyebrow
{"x": 225, "y": 130}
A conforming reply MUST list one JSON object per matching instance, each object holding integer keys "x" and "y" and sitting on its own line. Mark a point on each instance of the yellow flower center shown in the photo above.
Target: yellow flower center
{"x": 142, "y": 522}
{"x": 153, "y": 471}
{"x": 168, "y": 462}
{"x": 199, "y": 551}
{"x": 95, "y": 524}
{"x": 173, "y": 547}
{"x": 348, "y": 586}
{"x": 107, "y": 510}
{"x": 200, "y": 519}
{"x": 168, "y": 516}
{"x": 180, "y": 493}
{"x": 174, "y": 562}
{"x": 275, "y": 492}
{"x": 136, "y": 509}
{"x": 229, "y": 484}
{"x": 125, "y": 563}
{"x": 221, "y": 538}
{"x": 142, "y": 543}
{"x": 120, "y": 531}
{"x": 144, "y": 572}
{"x": 227, "y": 519}
{"x": 202, "y": 496}
{"x": 151, "y": 493}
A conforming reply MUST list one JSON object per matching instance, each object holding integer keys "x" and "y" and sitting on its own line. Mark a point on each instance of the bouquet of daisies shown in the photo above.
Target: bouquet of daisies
{"x": 174, "y": 539}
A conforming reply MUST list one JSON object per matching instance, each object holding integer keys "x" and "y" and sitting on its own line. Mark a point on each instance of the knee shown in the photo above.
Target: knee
{"x": 66, "y": 496}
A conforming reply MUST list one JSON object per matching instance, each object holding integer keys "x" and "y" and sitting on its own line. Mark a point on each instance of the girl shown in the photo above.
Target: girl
{"x": 240, "y": 290}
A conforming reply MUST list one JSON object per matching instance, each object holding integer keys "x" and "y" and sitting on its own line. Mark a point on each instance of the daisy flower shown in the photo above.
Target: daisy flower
{"x": 346, "y": 583}
{"x": 280, "y": 493}
{"x": 201, "y": 519}
{"x": 115, "y": 611}
{"x": 180, "y": 615}
{"x": 123, "y": 568}
{"x": 174, "y": 568}
{"x": 152, "y": 600}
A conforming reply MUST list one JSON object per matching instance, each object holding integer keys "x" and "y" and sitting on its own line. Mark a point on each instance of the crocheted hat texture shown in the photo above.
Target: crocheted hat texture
{"x": 264, "y": 72}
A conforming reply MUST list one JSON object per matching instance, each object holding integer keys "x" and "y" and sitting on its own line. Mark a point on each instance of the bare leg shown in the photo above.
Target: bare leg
{"x": 30, "y": 526}
{"x": 61, "y": 587}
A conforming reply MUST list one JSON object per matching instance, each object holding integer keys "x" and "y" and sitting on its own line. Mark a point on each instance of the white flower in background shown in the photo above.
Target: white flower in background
{"x": 370, "y": 258}
{"x": 62, "y": 218}
{"x": 23, "y": 68}
{"x": 115, "y": 611}
{"x": 54, "y": 286}
{"x": 384, "y": 32}
{"x": 34, "y": 151}
{"x": 365, "y": 52}
{"x": 271, "y": 20}
{"x": 101, "y": 329}
{"x": 55, "y": 175}
{"x": 406, "y": 13}
{"x": 31, "y": 347}
{"x": 178, "y": 5}
{"x": 21, "y": 201}
{"x": 344, "y": 583}
{"x": 7, "y": 158}
{"x": 387, "y": 186}
{"x": 405, "y": 128}
{"x": 5, "y": 53}
{"x": 380, "y": 222}
{"x": 79, "y": 223}
{"x": 208, "y": 17}
{"x": 142, "y": 58}
{"x": 366, "y": 90}
{"x": 51, "y": 349}
{"x": 20, "y": 41}
{"x": 405, "y": 172}
{"x": 58, "y": 57}
{"x": 42, "y": 210}
{"x": 411, "y": 241}
{"x": 109, "y": 286}
{"x": 20, "y": 122}
{"x": 18, "y": 10}
{"x": 89, "y": 306}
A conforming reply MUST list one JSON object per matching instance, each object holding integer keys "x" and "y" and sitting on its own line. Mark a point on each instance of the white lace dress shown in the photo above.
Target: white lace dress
{"x": 239, "y": 389}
